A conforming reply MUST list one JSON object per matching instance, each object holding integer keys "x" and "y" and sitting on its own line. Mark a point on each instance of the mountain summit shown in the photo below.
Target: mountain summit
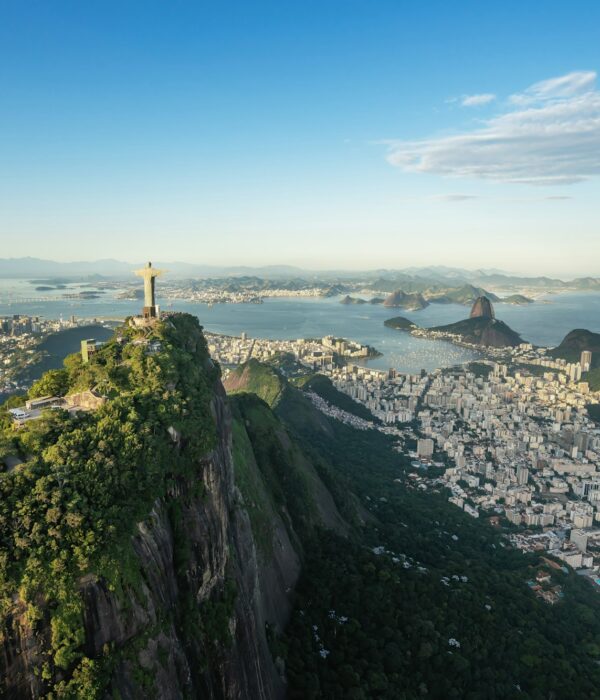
{"x": 482, "y": 308}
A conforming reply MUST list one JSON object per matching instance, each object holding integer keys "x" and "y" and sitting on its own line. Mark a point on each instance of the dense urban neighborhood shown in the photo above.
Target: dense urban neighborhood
{"x": 510, "y": 436}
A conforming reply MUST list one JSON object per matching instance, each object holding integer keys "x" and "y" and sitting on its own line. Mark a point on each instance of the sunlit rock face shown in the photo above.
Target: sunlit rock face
{"x": 482, "y": 308}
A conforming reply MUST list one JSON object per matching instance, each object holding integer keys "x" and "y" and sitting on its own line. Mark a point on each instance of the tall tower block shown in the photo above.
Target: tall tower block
{"x": 149, "y": 274}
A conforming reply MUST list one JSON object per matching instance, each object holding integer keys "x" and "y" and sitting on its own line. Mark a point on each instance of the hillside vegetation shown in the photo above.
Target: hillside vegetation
{"x": 571, "y": 347}
{"x": 258, "y": 378}
{"x": 69, "y": 510}
{"x": 420, "y": 600}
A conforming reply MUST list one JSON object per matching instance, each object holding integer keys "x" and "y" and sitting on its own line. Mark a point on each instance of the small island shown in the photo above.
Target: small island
{"x": 84, "y": 295}
{"x": 348, "y": 300}
{"x": 517, "y": 299}
{"x": 408, "y": 302}
{"x": 480, "y": 329}
{"x": 400, "y": 323}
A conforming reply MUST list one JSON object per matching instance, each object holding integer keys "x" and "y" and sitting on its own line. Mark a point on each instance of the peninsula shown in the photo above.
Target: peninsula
{"x": 482, "y": 328}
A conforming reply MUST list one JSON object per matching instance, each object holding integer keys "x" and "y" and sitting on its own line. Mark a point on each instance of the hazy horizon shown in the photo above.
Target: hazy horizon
{"x": 232, "y": 265}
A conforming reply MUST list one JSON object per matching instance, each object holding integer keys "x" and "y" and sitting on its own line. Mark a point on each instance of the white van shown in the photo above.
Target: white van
{"x": 18, "y": 413}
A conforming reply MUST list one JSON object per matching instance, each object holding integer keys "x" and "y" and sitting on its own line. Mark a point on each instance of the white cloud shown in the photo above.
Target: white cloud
{"x": 477, "y": 100}
{"x": 550, "y": 136}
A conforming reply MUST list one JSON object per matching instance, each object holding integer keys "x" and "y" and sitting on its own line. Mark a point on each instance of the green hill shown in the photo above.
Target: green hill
{"x": 408, "y": 301}
{"x": 253, "y": 376}
{"x": 571, "y": 347}
{"x": 68, "y": 514}
{"x": 575, "y": 342}
{"x": 465, "y": 295}
{"x": 275, "y": 477}
{"x": 400, "y": 323}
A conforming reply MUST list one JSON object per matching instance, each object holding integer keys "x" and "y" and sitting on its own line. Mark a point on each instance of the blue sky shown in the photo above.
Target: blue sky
{"x": 324, "y": 134}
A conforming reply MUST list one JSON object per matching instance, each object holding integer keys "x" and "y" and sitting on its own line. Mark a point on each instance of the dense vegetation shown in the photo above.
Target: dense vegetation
{"x": 594, "y": 412}
{"x": 422, "y": 600}
{"x": 260, "y": 437}
{"x": 68, "y": 511}
{"x": 258, "y": 379}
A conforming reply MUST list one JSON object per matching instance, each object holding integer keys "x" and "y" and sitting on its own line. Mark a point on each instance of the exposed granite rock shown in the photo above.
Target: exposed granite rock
{"x": 482, "y": 308}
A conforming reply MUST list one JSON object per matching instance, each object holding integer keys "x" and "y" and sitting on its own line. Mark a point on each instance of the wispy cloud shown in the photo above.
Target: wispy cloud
{"x": 558, "y": 197}
{"x": 477, "y": 100}
{"x": 452, "y": 197}
{"x": 549, "y": 136}
{"x": 564, "y": 86}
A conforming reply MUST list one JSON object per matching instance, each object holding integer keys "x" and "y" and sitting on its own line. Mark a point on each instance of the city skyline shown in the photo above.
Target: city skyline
{"x": 326, "y": 137}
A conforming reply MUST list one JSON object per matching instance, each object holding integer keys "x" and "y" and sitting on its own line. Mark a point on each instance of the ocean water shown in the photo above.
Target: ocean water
{"x": 544, "y": 322}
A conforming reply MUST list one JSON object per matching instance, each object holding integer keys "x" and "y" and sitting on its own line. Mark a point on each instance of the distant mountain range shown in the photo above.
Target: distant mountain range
{"x": 36, "y": 267}
{"x": 410, "y": 280}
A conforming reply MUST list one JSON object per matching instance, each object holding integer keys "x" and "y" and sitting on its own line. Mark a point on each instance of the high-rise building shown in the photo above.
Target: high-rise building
{"x": 586, "y": 360}
{"x": 425, "y": 447}
{"x": 580, "y": 539}
{"x": 522, "y": 475}
{"x": 575, "y": 372}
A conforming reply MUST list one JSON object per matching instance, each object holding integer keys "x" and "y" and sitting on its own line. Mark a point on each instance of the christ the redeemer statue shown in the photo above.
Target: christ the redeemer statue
{"x": 149, "y": 274}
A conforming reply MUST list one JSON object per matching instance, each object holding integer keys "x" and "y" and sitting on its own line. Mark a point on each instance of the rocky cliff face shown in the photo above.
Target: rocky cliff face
{"x": 199, "y": 564}
{"x": 482, "y": 308}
